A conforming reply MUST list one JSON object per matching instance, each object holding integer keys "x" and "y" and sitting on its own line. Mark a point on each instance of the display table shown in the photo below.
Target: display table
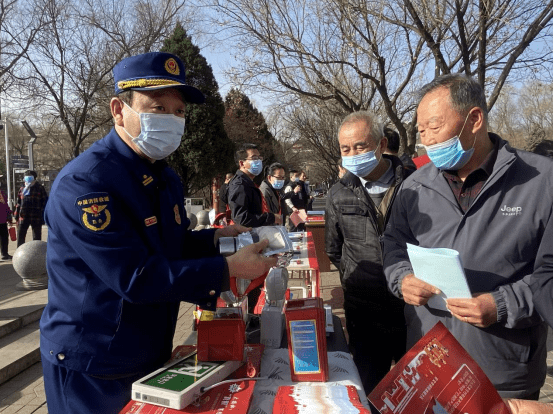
{"x": 304, "y": 274}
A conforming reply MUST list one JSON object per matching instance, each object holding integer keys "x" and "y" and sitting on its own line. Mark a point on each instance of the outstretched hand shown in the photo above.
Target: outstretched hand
{"x": 249, "y": 263}
{"x": 230, "y": 231}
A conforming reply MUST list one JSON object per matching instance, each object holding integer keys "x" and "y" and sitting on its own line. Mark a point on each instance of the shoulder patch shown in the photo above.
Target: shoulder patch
{"x": 94, "y": 209}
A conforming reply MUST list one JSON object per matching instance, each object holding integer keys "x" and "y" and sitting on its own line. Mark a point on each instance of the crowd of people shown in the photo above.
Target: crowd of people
{"x": 120, "y": 256}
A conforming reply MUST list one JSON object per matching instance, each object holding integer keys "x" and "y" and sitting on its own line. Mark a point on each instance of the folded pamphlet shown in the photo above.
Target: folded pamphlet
{"x": 441, "y": 268}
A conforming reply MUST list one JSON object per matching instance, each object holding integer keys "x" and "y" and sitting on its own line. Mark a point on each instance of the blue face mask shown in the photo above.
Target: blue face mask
{"x": 256, "y": 167}
{"x": 361, "y": 165}
{"x": 278, "y": 184}
{"x": 450, "y": 155}
{"x": 160, "y": 134}
{"x": 28, "y": 179}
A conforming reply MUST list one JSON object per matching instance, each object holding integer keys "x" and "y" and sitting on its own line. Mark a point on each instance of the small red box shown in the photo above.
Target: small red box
{"x": 307, "y": 342}
{"x": 221, "y": 340}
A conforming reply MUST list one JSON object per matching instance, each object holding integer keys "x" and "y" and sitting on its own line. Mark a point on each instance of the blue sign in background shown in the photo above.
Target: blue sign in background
{"x": 304, "y": 346}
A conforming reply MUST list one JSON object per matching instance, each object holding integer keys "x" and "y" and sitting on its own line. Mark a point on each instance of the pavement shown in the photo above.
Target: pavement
{"x": 24, "y": 392}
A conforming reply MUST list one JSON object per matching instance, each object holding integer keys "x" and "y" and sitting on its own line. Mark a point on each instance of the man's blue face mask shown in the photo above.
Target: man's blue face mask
{"x": 361, "y": 165}
{"x": 450, "y": 155}
{"x": 256, "y": 167}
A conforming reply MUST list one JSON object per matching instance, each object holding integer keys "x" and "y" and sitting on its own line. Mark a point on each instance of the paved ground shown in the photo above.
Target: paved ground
{"x": 24, "y": 394}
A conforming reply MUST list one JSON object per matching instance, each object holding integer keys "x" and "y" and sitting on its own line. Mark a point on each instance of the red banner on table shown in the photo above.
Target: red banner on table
{"x": 437, "y": 376}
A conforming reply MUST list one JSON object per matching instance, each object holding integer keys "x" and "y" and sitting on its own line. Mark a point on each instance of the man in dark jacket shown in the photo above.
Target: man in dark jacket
{"x": 271, "y": 188}
{"x": 245, "y": 198}
{"x": 357, "y": 211}
{"x": 29, "y": 211}
{"x": 493, "y": 204}
{"x": 295, "y": 197}
{"x": 120, "y": 257}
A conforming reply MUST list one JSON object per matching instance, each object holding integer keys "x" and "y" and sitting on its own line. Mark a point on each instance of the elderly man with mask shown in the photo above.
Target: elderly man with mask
{"x": 120, "y": 258}
{"x": 493, "y": 204}
{"x": 358, "y": 207}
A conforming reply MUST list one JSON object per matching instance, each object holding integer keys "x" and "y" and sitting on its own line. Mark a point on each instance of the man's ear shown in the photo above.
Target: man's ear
{"x": 477, "y": 117}
{"x": 116, "y": 107}
{"x": 383, "y": 144}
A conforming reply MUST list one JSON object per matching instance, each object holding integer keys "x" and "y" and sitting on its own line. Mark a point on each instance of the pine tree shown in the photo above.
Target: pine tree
{"x": 245, "y": 124}
{"x": 205, "y": 151}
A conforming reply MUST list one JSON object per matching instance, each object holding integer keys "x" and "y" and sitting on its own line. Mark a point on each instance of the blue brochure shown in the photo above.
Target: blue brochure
{"x": 441, "y": 268}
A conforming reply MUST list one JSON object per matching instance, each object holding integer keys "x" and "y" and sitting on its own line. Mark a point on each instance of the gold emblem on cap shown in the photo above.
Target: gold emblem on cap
{"x": 172, "y": 67}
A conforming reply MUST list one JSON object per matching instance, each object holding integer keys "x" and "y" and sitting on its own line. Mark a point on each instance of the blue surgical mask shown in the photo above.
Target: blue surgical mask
{"x": 278, "y": 184}
{"x": 450, "y": 155}
{"x": 28, "y": 179}
{"x": 361, "y": 165}
{"x": 256, "y": 167}
{"x": 160, "y": 134}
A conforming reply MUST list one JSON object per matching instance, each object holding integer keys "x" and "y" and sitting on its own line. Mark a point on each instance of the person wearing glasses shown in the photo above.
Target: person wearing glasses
{"x": 271, "y": 188}
{"x": 245, "y": 198}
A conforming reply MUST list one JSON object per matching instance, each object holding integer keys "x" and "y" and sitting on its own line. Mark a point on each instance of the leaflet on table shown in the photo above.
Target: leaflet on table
{"x": 441, "y": 268}
{"x": 298, "y": 217}
{"x": 437, "y": 376}
{"x": 325, "y": 398}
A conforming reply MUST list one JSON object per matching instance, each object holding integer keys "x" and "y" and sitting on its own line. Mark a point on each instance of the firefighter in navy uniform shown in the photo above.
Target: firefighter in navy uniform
{"x": 120, "y": 258}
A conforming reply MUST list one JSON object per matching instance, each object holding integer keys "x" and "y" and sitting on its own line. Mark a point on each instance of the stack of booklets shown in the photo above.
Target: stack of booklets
{"x": 322, "y": 398}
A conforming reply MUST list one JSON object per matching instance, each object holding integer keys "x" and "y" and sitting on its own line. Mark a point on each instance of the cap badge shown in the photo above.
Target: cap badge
{"x": 172, "y": 67}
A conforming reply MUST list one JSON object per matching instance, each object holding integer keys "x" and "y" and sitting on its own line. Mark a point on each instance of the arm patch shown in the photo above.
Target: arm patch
{"x": 94, "y": 211}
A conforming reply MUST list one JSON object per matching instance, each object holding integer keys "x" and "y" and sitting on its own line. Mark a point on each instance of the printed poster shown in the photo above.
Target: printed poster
{"x": 437, "y": 376}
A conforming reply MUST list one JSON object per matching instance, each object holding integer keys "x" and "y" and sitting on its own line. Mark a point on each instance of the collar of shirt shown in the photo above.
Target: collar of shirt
{"x": 382, "y": 184}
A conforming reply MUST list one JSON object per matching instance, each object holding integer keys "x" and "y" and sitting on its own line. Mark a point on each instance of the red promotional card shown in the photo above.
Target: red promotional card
{"x": 437, "y": 376}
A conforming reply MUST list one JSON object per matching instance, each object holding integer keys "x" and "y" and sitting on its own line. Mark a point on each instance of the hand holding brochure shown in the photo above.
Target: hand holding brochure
{"x": 441, "y": 268}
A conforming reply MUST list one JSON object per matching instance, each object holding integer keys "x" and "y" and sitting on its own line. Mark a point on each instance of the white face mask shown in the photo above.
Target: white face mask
{"x": 160, "y": 134}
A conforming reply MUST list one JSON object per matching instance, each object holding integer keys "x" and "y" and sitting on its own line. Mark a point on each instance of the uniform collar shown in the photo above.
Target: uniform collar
{"x": 139, "y": 166}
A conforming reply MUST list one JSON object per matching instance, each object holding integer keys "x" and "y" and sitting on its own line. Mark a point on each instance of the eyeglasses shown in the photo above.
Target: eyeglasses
{"x": 279, "y": 178}
{"x": 254, "y": 159}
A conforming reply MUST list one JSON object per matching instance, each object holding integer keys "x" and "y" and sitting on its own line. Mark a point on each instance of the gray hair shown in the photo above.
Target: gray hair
{"x": 465, "y": 92}
{"x": 373, "y": 123}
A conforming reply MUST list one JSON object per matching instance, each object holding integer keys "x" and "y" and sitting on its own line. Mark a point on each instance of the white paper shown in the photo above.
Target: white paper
{"x": 441, "y": 268}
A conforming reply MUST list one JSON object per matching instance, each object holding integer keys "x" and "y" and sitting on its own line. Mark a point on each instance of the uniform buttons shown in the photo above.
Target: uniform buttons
{"x": 212, "y": 292}
{"x": 61, "y": 356}
{"x": 51, "y": 352}
{"x": 209, "y": 304}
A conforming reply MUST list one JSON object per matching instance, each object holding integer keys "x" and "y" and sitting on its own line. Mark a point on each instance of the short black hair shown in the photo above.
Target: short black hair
{"x": 31, "y": 172}
{"x": 465, "y": 92}
{"x": 274, "y": 167}
{"x": 242, "y": 152}
{"x": 393, "y": 139}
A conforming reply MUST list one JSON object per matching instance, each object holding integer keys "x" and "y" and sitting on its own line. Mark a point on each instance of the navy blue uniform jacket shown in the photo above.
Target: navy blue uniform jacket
{"x": 120, "y": 259}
